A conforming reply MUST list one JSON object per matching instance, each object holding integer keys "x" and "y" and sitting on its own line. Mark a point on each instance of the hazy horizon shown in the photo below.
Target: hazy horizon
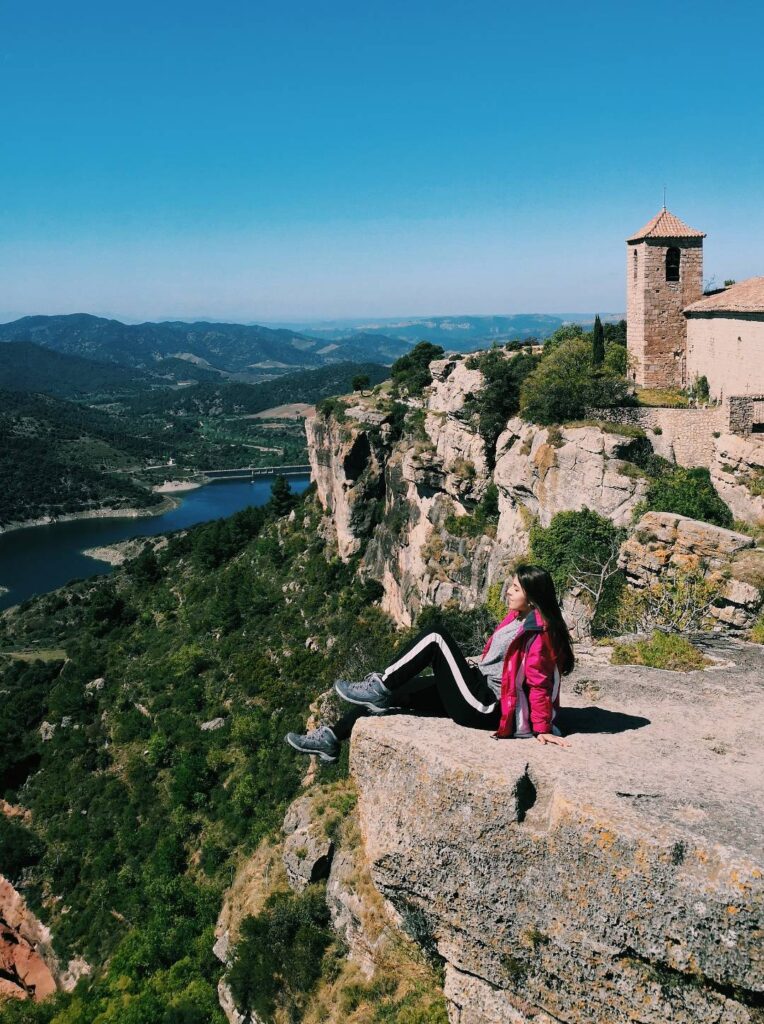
{"x": 317, "y": 322}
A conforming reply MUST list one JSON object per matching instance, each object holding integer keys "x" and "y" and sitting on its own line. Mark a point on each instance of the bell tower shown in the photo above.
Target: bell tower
{"x": 664, "y": 273}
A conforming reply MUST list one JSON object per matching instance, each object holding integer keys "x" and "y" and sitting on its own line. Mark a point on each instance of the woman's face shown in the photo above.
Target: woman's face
{"x": 516, "y": 598}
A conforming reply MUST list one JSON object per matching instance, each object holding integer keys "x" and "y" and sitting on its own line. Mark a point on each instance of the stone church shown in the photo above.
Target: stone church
{"x": 676, "y": 332}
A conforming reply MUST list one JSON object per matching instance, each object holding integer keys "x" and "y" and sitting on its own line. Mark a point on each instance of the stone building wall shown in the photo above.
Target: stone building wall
{"x": 685, "y": 436}
{"x": 656, "y": 323}
{"x": 728, "y": 349}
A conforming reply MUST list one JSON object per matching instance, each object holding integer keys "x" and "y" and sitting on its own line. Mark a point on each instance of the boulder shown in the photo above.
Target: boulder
{"x": 664, "y": 541}
{"x": 307, "y": 848}
{"x": 619, "y": 880}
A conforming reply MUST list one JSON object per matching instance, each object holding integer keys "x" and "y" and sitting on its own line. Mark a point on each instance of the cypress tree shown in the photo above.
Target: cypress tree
{"x": 598, "y": 342}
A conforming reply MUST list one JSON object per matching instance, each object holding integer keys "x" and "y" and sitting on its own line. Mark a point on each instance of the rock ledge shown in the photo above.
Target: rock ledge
{"x": 617, "y": 881}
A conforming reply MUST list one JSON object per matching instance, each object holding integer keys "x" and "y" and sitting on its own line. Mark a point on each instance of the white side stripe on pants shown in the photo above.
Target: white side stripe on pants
{"x": 464, "y": 689}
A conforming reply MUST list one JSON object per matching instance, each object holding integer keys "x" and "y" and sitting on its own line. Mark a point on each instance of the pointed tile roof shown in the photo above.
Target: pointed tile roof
{"x": 745, "y": 297}
{"x": 665, "y": 225}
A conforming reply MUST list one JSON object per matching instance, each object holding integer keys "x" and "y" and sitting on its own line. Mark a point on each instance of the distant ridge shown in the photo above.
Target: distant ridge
{"x": 457, "y": 333}
{"x": 253, "y": 351}
{"x": 250, "y": 350}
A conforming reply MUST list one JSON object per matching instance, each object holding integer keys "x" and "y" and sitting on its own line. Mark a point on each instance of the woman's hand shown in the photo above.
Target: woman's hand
{"x": 549, "y": 737}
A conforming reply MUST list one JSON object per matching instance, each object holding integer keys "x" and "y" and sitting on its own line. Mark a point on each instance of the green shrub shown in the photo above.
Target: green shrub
{"x": 482, "y": 521}
{"x": 755, "y": 482}
{"x": 493, "y": 602}
{"x": 19, "y": 848}
{"x": 616, "y": 359}
{"x": 499, "y": 399}
{"x": 566, "y": 385}
{"x": 583, "y": 545}
{"x": 677, "y": 601}
{"x": 662, "y": 650}
{"x": 411, "y": 373}
{"x": 331, "y": 408}
{"x": 570, "y": 538}
{"x": 688, "y": 492}
{"x": 279, "y": 956}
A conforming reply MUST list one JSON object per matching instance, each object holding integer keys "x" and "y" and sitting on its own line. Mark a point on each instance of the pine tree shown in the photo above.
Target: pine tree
{"x": 598, "y": 342}
{"x": 282, "y": 499}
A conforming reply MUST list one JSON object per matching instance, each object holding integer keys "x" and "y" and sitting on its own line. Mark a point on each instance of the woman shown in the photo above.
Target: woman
{"x": 513, "y": 689}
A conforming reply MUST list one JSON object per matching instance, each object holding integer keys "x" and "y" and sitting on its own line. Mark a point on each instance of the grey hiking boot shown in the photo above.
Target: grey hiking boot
{"x": 320, "y": 741}
{"x": 371, "y": 693}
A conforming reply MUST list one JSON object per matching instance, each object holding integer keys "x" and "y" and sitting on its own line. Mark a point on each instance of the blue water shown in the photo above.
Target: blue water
{"x": 42, "y": 558}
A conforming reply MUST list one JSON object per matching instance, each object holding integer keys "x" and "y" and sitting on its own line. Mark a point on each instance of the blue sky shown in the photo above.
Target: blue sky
{"x": 266, "y": 161}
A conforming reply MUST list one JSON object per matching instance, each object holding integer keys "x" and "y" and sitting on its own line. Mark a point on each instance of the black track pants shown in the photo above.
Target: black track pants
{"x": 456, "y": 689}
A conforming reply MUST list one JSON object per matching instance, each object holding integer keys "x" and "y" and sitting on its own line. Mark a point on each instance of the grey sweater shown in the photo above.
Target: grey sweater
{"x": 492, "y": 664}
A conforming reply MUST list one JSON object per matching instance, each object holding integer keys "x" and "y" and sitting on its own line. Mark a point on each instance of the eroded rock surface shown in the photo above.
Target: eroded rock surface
{"x": 664, "y": 541}
{"x": 404, "y": 497}
{"x": 349, "y": 477}
{"x": 737, "y": 473}
{"x": 307, "y": 848}
{"x": 618, "y": 881}
{"x": 541, "y": 471}
{"x": 25, "y": 947}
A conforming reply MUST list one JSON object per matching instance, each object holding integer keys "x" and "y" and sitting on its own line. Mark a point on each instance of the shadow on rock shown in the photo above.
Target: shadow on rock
{"x": 573, "y": 720}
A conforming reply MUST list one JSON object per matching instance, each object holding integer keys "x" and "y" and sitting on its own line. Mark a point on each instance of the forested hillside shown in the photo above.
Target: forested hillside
{"x": 247, "y": 349}
{"x": 28, "y": 367}
{"x": 138, "y": 813}
{"x": 216, "y": 399}
{"x": 58, "y": 457}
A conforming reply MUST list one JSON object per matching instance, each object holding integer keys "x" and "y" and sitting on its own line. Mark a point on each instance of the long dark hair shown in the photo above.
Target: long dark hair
{"x": 538, "y": 587}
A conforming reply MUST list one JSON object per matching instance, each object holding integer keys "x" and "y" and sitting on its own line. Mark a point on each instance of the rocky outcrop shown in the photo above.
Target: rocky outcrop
{"x": 25, "y": 949}
{"x": 256, "y": 878}
{"x": 348, "y": 470}
{"x": 404, "y": 498}
{"x": 541, "y": 471}
{"x": 307, "y": 848}
{"x": 618, "y": 881}
{"x": 664, "y": 541}
{"x": 737, "y": 473}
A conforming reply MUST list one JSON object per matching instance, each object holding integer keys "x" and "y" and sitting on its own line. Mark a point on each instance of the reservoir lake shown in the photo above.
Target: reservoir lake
{"x": 37, "y": 559}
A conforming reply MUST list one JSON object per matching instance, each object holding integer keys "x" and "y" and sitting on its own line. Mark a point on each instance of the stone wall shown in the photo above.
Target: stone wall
{"x": 656, "y": 323}
{"x": 728, "y": 349}
{"x": 745, "y": 412}
{"x": 684, "y": 436}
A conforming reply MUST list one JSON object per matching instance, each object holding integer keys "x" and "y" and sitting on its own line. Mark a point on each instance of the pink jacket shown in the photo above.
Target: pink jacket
{"x": 530, "y": 682}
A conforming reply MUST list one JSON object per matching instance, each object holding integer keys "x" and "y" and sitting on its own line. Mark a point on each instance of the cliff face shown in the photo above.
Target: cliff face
{"x": 348, "y": 471}
{"x": 406, "y": 495}
{"x": 617, "y": 881}
{"x": 29, "y": 968}
{"x": 737, "y": 472}
{"x": 541, "y": 471}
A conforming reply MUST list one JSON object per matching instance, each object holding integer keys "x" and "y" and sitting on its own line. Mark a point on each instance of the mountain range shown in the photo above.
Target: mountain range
{"x": 252, "y": 351}
{"x": 247, "y": 351}
{"x": 455, "y": 333}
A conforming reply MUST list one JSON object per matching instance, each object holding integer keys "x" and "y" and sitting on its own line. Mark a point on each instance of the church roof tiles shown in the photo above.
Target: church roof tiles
{"x": 745, "y": 297}
{"x": 665, "y": 225}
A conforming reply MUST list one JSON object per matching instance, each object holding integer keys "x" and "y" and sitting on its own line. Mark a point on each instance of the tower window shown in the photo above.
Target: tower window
{"x": 636, "y": 262}
{"x": 672, "y": 264}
